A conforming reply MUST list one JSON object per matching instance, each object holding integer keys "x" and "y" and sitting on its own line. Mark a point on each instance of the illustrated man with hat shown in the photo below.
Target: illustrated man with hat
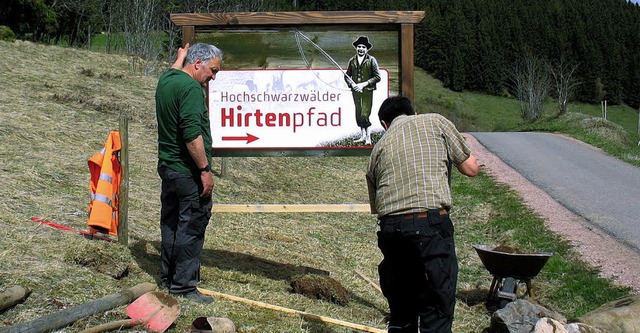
{"x": 362, "y": 75}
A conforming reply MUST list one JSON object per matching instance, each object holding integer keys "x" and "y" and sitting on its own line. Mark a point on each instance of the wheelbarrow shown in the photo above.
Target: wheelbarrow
{"x": 509, "y": 270}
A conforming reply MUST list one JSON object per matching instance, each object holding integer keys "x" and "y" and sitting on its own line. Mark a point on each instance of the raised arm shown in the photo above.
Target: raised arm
{"x": 182, "y": 54}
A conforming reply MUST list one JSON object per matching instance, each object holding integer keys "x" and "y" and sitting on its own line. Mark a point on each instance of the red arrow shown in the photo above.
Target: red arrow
{"x": 249, "y": 138}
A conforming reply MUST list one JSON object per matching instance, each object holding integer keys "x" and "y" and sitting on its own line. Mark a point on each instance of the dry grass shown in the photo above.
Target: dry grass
{"x": 56, "y": 108}
{"x": 56, "y": 111}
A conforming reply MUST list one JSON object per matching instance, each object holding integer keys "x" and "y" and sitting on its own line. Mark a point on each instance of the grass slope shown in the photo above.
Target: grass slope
{"x": 56, "y": 108}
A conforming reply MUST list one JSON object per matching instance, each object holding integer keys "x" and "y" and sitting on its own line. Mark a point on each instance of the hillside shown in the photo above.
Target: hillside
{"x": 57, "y": 106}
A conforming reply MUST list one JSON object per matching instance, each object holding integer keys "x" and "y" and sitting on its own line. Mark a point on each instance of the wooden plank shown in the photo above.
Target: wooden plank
{"x": 296, "y": 18}
{"x": 292, "y": 311}
{"x": 329, "y": 208}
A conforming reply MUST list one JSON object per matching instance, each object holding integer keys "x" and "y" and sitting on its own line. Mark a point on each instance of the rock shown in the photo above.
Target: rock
{"x": 222, "y": 325}
{"x": 549, "y": 325}
{"x": 521, "y": 316}
{"x": 583, "y": 328}
{"x": 213, "y": 325}
{"x": 621, "y": 316}
{"x": 13, "y": 296}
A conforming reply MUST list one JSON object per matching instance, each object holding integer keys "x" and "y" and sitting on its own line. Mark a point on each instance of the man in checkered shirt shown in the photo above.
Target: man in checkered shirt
{"x": 409, "y": 189}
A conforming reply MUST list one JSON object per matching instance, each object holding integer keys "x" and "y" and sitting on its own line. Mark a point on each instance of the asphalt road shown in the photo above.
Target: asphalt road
{"x": 600, "y": 188}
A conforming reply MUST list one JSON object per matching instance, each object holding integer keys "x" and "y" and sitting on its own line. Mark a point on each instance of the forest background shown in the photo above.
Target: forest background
{"x": 470, "y": 45}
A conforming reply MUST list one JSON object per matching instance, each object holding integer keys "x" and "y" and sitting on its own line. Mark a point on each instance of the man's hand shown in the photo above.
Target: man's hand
{"x": 469, "y": 167}
{"x": 359, "y": 87}
{"x": 181, "y": 55}
{"x": 207, "y": 184}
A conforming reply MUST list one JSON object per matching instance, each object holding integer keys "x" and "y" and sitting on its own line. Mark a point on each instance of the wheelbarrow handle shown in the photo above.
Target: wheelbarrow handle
{"x": 126, "y": 323}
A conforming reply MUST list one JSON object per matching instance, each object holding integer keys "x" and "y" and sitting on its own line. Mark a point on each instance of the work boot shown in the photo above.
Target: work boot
{"x": 196, "y": 296}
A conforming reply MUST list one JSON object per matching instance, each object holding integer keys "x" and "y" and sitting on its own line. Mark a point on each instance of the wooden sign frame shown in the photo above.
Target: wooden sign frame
{"x": 401, "y": 21}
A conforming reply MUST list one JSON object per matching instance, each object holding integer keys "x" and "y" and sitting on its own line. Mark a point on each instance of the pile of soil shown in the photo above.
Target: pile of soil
{"x": 320, "y": 287}
{"x": 506, "y": 249}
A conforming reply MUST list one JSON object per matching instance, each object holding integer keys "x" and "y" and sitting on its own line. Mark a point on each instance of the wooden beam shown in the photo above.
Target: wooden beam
{"x": 189, "y": 36}
{"x": 296, "y": 18}
{"x": 406, "y": 61}
{"x": 330, "y": 208}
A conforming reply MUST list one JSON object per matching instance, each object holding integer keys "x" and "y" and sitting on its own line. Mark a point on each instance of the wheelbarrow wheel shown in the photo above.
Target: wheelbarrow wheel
{"x": 507, "y": 292}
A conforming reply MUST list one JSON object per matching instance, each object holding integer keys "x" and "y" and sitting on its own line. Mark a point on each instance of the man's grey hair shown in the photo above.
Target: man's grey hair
{"x": 202, "y": 51}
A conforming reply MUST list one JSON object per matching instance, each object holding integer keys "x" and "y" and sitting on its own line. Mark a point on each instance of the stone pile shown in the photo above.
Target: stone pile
{"x": 522, "y": 316}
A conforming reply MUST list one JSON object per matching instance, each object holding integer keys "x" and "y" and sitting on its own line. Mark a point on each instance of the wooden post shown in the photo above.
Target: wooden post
{"x": 188, "y": 34}
{"x": 123, "y": 209}
{"x": 406, "y": 60}
{"x": 224, "y": 167}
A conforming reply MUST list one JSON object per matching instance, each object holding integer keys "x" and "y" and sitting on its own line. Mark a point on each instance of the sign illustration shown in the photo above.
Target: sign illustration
{"x": 294, "y": 108}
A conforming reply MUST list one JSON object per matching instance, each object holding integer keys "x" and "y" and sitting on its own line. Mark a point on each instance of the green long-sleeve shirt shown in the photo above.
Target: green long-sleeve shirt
{"x": 182, "y": 116}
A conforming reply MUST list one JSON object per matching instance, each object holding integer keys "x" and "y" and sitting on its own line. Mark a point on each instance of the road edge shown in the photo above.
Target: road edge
{"x": 600, "y": 250}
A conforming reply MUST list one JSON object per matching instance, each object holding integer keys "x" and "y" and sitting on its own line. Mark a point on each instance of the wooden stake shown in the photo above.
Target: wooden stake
{"x": 287, "y": 310}
{"x": 123, "y": 210}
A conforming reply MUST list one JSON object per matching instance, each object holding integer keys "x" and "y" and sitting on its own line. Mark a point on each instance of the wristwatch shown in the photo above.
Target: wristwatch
{"x": 206, "y": 168}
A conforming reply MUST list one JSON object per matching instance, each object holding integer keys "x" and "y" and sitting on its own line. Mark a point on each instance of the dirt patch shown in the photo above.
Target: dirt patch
{"x": 613, "y": 259}
{"x": 320, "y": 287}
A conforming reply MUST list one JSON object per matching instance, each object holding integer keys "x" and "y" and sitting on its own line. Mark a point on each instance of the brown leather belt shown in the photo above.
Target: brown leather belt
{"x": 421, "y": 214}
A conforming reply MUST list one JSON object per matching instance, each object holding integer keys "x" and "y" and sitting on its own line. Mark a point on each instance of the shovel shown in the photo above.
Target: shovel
{"x": 155, "y": 310}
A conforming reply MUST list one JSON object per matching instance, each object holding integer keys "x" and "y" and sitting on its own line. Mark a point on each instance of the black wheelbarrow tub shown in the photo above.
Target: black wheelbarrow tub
{"x": 521, "y": 266}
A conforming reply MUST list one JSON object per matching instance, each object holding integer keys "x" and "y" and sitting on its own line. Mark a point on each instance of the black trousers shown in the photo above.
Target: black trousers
{"x": 419, "y": 272}
{"x": 183, "y": 219}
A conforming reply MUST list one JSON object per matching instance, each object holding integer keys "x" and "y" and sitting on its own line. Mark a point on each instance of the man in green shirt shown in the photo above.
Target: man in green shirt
{"x": 408, "y": 182}
{"x": 184, "y": 156}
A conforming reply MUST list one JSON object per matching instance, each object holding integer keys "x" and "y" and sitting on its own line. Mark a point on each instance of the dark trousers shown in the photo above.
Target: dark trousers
{"x": 419, "y": 272}
{"x": 363, "y": 102}
{"x": 183, "y": 219}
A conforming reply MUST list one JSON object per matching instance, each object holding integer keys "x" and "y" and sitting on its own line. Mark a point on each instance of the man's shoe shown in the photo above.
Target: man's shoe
{"x": 197, "y": 296}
